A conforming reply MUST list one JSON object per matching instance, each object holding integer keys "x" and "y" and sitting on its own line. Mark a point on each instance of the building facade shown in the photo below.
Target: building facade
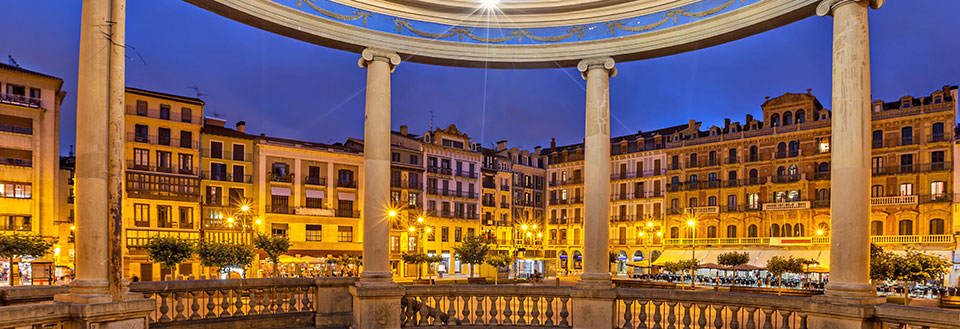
{"x": 227, "y": 209}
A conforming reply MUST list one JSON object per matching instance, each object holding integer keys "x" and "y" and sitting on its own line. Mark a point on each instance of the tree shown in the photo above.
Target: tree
{"x": 223, "y": 256}
{"x": 472, "y": 251}
{"x": 417, "y": 259}
{"x": 433, "y": 260}
{"x": 881, "y": 264}
{"x": 779, "y": 265}
{"x": 15, "y": 246}
{"x": 733, "y": 259}
{"x": 680, "y": 267}
{"x": 273, "y": 246}
{"x": 498, "y": 261}
{"x": 918, "y": 267}
{"x": 612, "y": 259}
{"x": 169, "y": 251}
{"x": 346, "y": 260}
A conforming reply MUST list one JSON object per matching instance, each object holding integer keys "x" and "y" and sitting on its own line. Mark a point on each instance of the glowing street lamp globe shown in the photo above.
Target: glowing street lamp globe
{"x": 420, "y": 219}
{"x": 244, "y": 207}
{"x": 649, "y": 224}
{"x": 691, "y": 223}
{"x": 393, "y": 213}
{"x": 411, "y": 229}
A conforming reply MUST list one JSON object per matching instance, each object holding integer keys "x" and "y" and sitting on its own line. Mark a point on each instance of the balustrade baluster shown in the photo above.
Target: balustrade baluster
{"x": 642, "y": 316}
{"x": 274, "y": 300}
{"x": 521, "y": 311}
{"x": 438, "y": 310}
{"x": 507, "y": 310}
{"x": 767, "y": 318}
{"x": 465, "y": 310}
{"x": 296, "y": 294}
{"x": 195, "y": 305}
{"x": 493, "y": 310}
{"x": 451, "y": 310}
{"x": 718, "y": 316}
{"x": 424, "y": 311}
{"x": 627, "y": 314}
{"x": 563, "y": 312}
{"x": 238, "y": 303}
{"x": 548, "y": 321}
{"x": 224, "y": 303}
{"x": 657, "y": 317}
{"x": 211, "y": 295}
{"x": 672, "y": 316}
{"x": 535, "y": 311}
{"x": 785, "y": 319}
{"x": 702, "y": 320}
{"x": 686, "y": 315}
{"x": 253, "y": 302}
{"x": 163, "y": 307}
{"x": 311, "y": 292}
{"x": 734, "y": 317}
{"x": 178, "y": 309}
{"x": 751, "y": 318}
{"x": 803, "y": 321}
{"x": 479, "y": 310}
{"x": 411, "y": 312}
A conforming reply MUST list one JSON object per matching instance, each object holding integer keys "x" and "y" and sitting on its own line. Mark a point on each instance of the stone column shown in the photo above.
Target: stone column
{"x": 848, "y": 296}
{"x": 594, "y": 296}
{"x": 376, "y": 298}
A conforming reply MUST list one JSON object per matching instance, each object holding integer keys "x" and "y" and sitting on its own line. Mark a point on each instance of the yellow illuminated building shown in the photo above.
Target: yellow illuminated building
{"x": 226, "y": 166}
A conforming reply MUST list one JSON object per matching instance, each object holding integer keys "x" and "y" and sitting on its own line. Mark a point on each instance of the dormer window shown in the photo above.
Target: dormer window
{"x": 905, "y": 103}
{"x": 937, "y": 99}
{"x": 877, "y": 108}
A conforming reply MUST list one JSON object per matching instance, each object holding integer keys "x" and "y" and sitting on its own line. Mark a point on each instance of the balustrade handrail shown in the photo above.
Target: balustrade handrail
{"x": 792, "y": 303}
{"x": 917, "y": 317}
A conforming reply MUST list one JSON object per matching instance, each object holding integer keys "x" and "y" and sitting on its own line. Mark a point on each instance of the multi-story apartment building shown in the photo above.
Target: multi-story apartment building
{"x": 162, "y": 176}
{"x": 311, "y": 193}
{"x": 63, "y": 251}
{"x": 496, "y": 219}
{"x": 226, "y": 167}
{"x": 452, "y": 191}
{"x": 29, "y": 147}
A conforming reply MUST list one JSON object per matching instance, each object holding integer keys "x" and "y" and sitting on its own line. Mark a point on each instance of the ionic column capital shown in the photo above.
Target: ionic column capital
{"x": 379, "y": 55}
{"x": 826, "y": 7}
{"x": 597, "y": 63}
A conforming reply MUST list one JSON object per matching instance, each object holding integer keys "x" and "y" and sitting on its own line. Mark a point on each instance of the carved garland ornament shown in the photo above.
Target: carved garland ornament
{"x": 356, "y": 15}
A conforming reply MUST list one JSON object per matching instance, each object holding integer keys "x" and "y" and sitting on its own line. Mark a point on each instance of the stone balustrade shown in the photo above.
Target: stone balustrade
{"x": 490, "y": 306}
{"x": 659, "y": 308}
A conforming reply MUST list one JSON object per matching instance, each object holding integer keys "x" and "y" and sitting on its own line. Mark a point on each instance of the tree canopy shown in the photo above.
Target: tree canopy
{"x": 19, "y": 245}
{"x": 224, "y": 256}
{"x": 169, "y": 251}
{"x": 733, "y": 258}
{"x": 472, "y": 251}
{"x": 273, "y": 246}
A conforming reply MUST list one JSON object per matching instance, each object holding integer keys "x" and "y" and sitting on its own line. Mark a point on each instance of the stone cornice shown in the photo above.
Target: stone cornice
{"x": 826, "y": 7}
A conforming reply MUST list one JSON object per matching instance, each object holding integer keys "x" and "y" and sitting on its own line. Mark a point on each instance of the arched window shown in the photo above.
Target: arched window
{"x": 775, "y": 120}
{"x": 936, "y": 226}
{"x": 787, "y": 118}
{"x": 823, "y": 167}
{"x": 674, "y": 232}
{"x": 787, "y": 230}
{"x": 801, "y": 116}
{"x": 731, "y": 231}
{"x": 654, "y": 255}
{"x": 712, "y": 201}
{"x": 774, "y": 231}
{"x": 711, "y": 232}
{"x": 732, "y": 176}
{"x": 798, "y": 230}
{"x": 752, "y": 231}
{"x": 732, "y": 156}
{"x": 781, "y": 171}
{"x": 713, "y": 158}
{"x": 792, "y": 170}
{"x": 781, "y": 150}
{"x": 876, "y": 227}
{"x": 823, "y": 194}
{"x": 754, "y": 153}
{"x": 905, "y": 227}
{"x": 794, "y": 148}
{"x": 638, "y": 256}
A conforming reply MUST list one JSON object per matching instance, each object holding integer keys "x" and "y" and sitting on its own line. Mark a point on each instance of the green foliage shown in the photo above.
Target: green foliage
{"x": 223, "y": 255}
{"x": 472, "y": 250}
{"x": 613, "y": 257}
{"x": 498, "y": 260}
{"x": 19, "y": 245}
{"x": 273, "y": 246}
{"x": 347, "y": 260}
{"x": 414, "y": 258}
{"x": 881, "y": 263}
{"x": 733, "y": 258}
{"x": 779, "y": 265}
{"x": 681, "y": 265}
{"x": 918, "y": 267}
{"x": 169, "y": 251}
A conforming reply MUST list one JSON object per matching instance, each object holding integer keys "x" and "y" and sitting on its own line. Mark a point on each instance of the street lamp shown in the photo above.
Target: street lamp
{"x": 693, "y": 250}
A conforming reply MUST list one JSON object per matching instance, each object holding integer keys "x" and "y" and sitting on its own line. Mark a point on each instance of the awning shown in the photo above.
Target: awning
{"x": 671, "y": 256}
{"x": 285, "y": 191}
{"x": 315, "y": 194}
{"x": 346, "y": 196}
{"x": 763, "y": 256}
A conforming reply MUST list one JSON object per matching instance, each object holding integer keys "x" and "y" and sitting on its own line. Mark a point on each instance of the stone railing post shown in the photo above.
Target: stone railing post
{"x": 849, "y": 289}
{"x": 594, "y": 297}
{"x": 376, "y": 298}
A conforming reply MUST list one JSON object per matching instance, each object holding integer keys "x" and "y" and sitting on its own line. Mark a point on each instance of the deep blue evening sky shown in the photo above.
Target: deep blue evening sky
{"x": 287, "y": 88}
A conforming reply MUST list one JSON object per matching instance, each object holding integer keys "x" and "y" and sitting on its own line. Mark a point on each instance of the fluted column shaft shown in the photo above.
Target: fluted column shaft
{"x": 596, "y": 168}
{"x": 850, "y": 154}
{"x": 376, "y": 161}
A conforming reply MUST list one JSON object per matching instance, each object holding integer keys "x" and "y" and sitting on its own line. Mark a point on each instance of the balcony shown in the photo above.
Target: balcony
{"x": 440, "y": 170}
{"x": 894, "y": 200}
{"x": 315, "y": 180}
{"x": 280, "y": 178}
{"x": 347, "y": 183}
{"x": 701, "y": 210}
{"x": 305, "y": 211}
{"x": 226, "y": 155}
{"x": 621, "y": 218}
{"x": 504, "y": 205}
{"x": 489, "y": 203}
{"x": 21, "y": 100}
{"x": 347, "y": 213}
{"x": 466, "y": 174}
{"x": 569, "y": 181}
{"x": 789, "y": 205}
{"x": 786, "y": 178}
{"x": 139, "y": 237}
{"x": 165, "y": 141}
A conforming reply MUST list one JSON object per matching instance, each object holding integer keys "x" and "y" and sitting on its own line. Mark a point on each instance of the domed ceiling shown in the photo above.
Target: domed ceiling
{"x": 515, "y": 33}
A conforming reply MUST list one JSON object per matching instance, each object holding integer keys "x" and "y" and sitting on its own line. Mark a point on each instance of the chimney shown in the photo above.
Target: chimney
{"x": 726, "y": 123}
{"x": 403, "y": 130}
{"x": 536, "y": 150}
{"x": 242, "y": 126}
{"x": 501, "y": 145}
{"x": 749, "y": 119}
{"x": 553, "y": 143}
{"x": 692, "y": 123}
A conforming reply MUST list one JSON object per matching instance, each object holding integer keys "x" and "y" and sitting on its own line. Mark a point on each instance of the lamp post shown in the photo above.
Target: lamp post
{"x": 420, "y": 228}
{"x": 647, "y": 233}
{"x": 693, "y": 250}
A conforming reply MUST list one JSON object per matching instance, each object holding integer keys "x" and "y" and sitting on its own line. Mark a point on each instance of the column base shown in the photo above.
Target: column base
{"x": 850, "y": 291}
{"x": 376, "y": 305}
{"x": 831, "y": 312}
{"x": 594, "y": 305}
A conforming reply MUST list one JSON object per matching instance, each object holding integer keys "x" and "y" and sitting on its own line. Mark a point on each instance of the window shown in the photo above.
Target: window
{"x": 141, "y": 133}
{"x": 315, "y": 233}
{"x": 787, "y": 118}
{"x": 905, "y": 227}
{"x": 236, "y": 197}
{"x": 15, "y": 190}
{"x": 877, "y": 164}
{"x": 218, "y": 171}
{"x": 186, "y": 139}
{"x": 711, "y": 232}
{"x": 238, "y": 174}
{"x": 752, "y": 231}
{"x": 444, "y": 234}
{"x": 186, "y": 164}
{"x": 186, "y": 217}
{"x": 936, "y": 132}
{"x": 732, "y": 202}
{"x": 457, "y": 234}
{"x": 345, "y": 233}
{"x": 775, "y": 120}
{"x": 774, "y": 231}
{"x": 712, "y": 201}
{"x": 238, "y": 154}
{"x": 141, "y": 158}
{"x": 936, "y": 226}
{"x": 731, "y": 231}
{"x": 906, "y": 163}
{"x": 876, "y": 191}
{"x": 278, "y": 229}
{"x": 906, "y": 189}
{"x": 877, "y": 138}
{"x": 164, "y": 219}
{"x": 754, "y": 153}
{"x": 876, "y": 227}
{"x": 906, "y": 136}
{"x": 141, "y": 215}
{"x": 142, "y": 108}
{"x": 165, "y": 112}
{"x": 216, "y": 150}
{"x": 164, "y": 161}
{"x": 674, "y": 232}
{"x": 414, "y": 160}
{"x": 800, "y": 116}
{"x": 214, "y": 195}
{"x": 163, "y": 136}
{"x": 753, "y": 201}
{"x": 936, "y": 190}
{"x": 186, "y": 115}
